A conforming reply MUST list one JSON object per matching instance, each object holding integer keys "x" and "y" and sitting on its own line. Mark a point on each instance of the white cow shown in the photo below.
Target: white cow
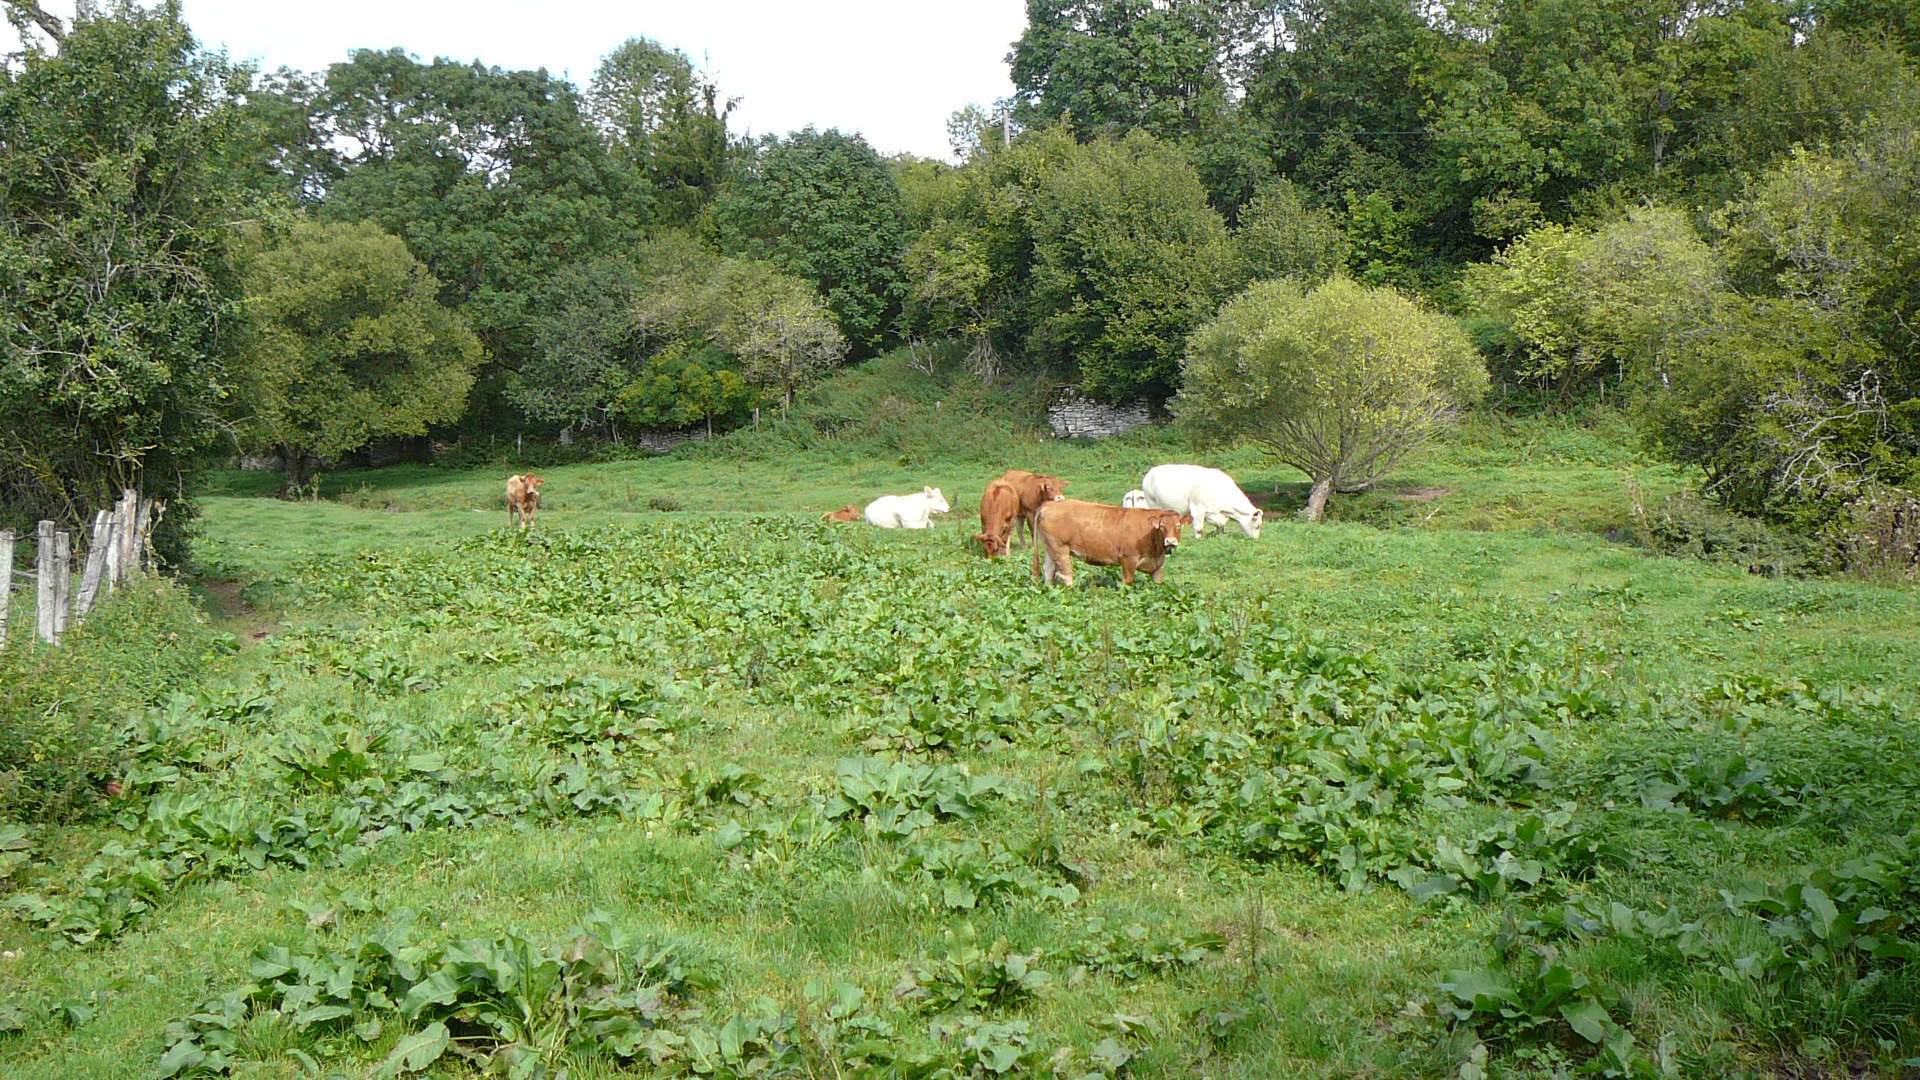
{"x": 907, "y": 511}
{"x": 1209, "y": 495}
{"x": 1137, "y": 500}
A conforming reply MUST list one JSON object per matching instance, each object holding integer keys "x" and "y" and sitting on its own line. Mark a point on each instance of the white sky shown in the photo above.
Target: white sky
{"x": 892, "y": 71}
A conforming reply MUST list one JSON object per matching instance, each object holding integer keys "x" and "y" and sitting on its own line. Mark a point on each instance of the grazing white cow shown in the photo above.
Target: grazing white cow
{"x": 1137, "y": 500}
{"x": 907, "y": 511}
{"x": 1209, "y": 495}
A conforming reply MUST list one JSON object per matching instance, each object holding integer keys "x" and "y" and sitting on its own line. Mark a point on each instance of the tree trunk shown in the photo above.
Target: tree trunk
{"x": 296, "y": 468}
{"x": 1317, "y": 501}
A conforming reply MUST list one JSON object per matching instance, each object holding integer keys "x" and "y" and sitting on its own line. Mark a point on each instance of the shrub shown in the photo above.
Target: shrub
{"x": 63, "y": 706}
{"x": 1687, "y": 526}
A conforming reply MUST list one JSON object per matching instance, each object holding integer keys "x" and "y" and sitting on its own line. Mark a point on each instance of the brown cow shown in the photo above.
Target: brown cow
{"x": 1035, "y": 491}
{"x": 523, "y": 498}
{"x": 1104, "y": 536}
{"x": 850, "y": 512}
{"x": 999, "y": 509}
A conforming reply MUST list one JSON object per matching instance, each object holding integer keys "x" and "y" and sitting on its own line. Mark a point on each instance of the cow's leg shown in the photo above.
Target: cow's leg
{"x": 1159, "y": 573}
{"x": 1199, "y": 520}
{"x": 1126, "y": 569}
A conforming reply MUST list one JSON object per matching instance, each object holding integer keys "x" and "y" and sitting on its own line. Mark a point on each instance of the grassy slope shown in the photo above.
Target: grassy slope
{"x": 1510, "y": 551}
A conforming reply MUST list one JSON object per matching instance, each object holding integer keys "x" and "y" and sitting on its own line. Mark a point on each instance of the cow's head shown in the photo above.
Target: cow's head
{"x": 1051, "y": 488}
{"x": 1166, "y": 529}
{"x": 1251, "y": 524}
{"x": 994, "y": 546}
{"x": 533, "y": 482}
{"x": 936, "y": 502}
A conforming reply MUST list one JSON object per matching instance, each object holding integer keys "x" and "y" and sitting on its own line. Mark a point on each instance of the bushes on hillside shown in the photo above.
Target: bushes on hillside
{"x": 63, "y": 707}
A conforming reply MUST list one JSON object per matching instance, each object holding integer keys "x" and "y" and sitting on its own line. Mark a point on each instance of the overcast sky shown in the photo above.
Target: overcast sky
{"x": 892, "y": 71}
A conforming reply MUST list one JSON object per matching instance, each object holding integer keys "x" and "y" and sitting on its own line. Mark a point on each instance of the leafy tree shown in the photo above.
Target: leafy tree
{"x": 1280, "y": 237}
{"x": 119, "y": 175}
{"x": 666, "y": 120}
{"x": 1114, "y": 66}
{"x": 350, "y": 343}
{"x": 773, "y": 324}
{"x": 1340, "y": 382}
{"x": 585, "y": 343}
{"x": 685, "y": 384}
{"x": 822, "y": 207}
{"x": 1127, "y": 259}
{"x": 1807, "y": 390}
{"x": 1578, "y": 308}
{"x": 494, "y": 178}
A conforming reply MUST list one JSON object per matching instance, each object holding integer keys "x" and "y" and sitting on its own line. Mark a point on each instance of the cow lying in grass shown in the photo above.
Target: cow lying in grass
{"x": 907, "y": 511}
{"x": 1120, "y": 536}
{"x": 523, "y": 498}
{"x": 850, "y": 512}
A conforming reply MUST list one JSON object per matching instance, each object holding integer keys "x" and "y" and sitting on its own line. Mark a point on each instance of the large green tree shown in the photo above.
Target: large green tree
{"x": 1340, "y": 381}
{"x": 495, "y": 179}
{"x": 666, "y": 120}
{"x": 1127, "y": 259}
{"x": 1807, "y": 392}
{"x": 349, "y": 343}
{"x": 119, "y": 180}
{"x": 1113, "y": 66}
{"x": 823, "y": 207}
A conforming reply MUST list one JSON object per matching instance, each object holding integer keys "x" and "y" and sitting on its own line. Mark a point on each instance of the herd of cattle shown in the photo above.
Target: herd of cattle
{"x": 1135, "y": 536}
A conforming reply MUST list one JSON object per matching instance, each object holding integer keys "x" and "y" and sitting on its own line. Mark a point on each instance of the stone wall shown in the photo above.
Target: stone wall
{"x": 659, "y": 442}
{"x": 1077, "y": 417}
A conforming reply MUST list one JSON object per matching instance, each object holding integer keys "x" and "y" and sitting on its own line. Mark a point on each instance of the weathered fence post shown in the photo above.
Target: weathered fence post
{"x": 45, "y": 622}
{"x": 6, "y": 580}
{"x": 128, "y": 508}
{"x": 96, "y": 564}
{"x": 62, "y": 581}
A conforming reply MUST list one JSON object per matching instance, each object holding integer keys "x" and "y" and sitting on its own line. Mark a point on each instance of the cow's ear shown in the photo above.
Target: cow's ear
{"x": 1186, "y": 519}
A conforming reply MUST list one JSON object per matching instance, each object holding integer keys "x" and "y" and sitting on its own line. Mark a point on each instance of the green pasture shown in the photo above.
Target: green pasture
{"x": 1276, "y": 817}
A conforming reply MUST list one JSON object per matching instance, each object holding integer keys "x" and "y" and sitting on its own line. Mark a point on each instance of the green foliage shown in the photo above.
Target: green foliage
{"x": 121, "y": 158}
{"x": 1582, "y": 307}
{"x": 1280, "y": 237}
{"x": 1803, "y": 396}
{"x": 772, "y": 323}
{"x": 1127, "y": 259}
{"x": 823, "y": 208}
{"x": 503, "y": 1004}
{"x": 495, "y": 179}
{"x": 1340, "y": 382}
{"x": 348, "y": 343}
{"x": 61, "y": 742}
{"x": 1114, "y": 66}
{"x": 682, "y": 385}
{"x": 666, "y": 121}
{"x": 968, "y": 979}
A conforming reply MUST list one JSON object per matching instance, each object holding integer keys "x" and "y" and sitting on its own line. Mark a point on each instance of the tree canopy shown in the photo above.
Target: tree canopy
{"x": 1340, "y": 381}
{"x": 349, "y": 342}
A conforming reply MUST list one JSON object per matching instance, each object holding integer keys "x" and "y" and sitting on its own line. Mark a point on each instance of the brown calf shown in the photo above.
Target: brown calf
{"x": 1104, "y": 536}
{"x": 1035, "y": 491}
{"x": 999, "y": 508}
{"x": 523, "y": 498}
{"x": 850, "y": 512}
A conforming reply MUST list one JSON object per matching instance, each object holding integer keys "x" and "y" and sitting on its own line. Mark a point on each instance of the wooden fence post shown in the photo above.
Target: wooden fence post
{"x": 44, "y": 623}
{"x": 129, "y": 554}
{"x": 6, "y": 580}
{"x": 62, "y": 581}
{"x": 96, "y": 564}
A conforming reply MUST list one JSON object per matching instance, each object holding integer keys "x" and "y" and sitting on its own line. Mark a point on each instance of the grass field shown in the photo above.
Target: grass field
{"x": 688, "y": 782}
